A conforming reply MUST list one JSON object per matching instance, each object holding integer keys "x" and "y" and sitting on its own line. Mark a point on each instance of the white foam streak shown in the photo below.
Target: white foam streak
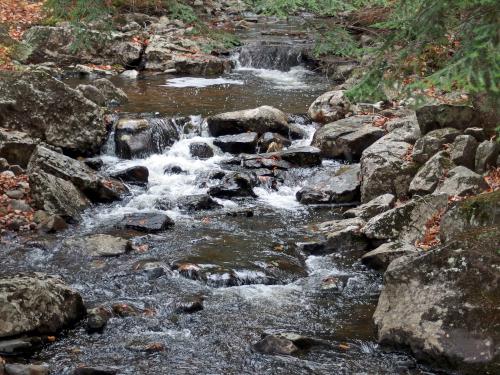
{"x": 201, "y": 82}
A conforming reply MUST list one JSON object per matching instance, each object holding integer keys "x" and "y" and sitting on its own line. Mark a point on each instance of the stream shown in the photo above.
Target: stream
{"x": 246, "y": 267}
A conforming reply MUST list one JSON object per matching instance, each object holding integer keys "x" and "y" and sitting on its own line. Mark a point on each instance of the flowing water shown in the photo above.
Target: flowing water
{"x": 248, "y": 269}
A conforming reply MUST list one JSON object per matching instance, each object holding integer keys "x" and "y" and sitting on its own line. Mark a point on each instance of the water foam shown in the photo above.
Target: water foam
{"x": 201, "y": 82}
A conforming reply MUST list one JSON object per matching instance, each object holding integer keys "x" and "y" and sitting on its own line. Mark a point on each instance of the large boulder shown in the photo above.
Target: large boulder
{"x": 46, "y": 108}
{"x": 331, "y": 106}
{"x": 386, "y": 168}
{"x": 461, "y": 181}
{"x": 147, "y": 222}
{"x": 432, "y": 117}
{"x": 56, "y": 196}
{"x": 407, "y": 222}
{"x": 234, "y": 185}
{"x": 443, "y": 304}
{"x": 340, "y": 235}
{"x": 96, "y": 187}
{"x": 305, "y": 156}
{"x": 204, "y": 66}
{"x": 111, "y": 93}
{"x": 331, "y": 186}
{"x": 403, "y": 128}
{"x": 135, "y": 138}
{"x": 37, "y": 304}
{"x": 347, "y": 138}
{"x": 138, "y": 175}
{"x": 429, "y": 176}
{"x": 259, "y": 120}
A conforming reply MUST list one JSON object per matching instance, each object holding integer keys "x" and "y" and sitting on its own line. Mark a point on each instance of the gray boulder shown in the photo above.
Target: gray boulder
{"x": 431, "y": 117}
{"x": 135, "y": 138}
{"x": 404, "y": 128}
{"x": 486, "y": 155}
{"x": 461, "y": 181}
{"x": 259, "y": 120}
{"x": 347, "y": 138}
{"x": 407, "y": 222}
{"x": 306, "y": 156}
{"x": 198, "y": 202}
{"x": 331, "y": 106}
{"x": 385, "y": 168}
{"x": 96, "y": 187}
{"x": 339, "y": 235}
{"x": 372, "y": 208}
{"x": 380, "y": 258}
{"x": 237, "y": 143}
{"x": 267, "y": 138}
{"x": 16, "y": 147}
{"x": 472, "y": 215}
{"x": 111, "y": 93}
{"x": 429, "y": 176}
{"x": 234, "y": 185}
{"x": 57, "y": 196}
{"x": 463, "y": 151}
{"x": 205, "y": 66}
{"x": 341, "y": 186}
{"x": 441, "y": 305}
{"x": 430, "y": 144}
{"x": 93, "y": 94}
{"x": 37, "y": 304}
{"x": 46, "y": 108}
{"x": 138, "y": 175}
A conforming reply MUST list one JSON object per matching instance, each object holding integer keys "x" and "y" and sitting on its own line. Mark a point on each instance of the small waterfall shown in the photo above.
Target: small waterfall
{"x": 274, "y": 56}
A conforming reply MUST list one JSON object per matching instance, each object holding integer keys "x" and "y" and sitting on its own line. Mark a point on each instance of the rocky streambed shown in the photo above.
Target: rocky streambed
{"x": 196, "y": 231}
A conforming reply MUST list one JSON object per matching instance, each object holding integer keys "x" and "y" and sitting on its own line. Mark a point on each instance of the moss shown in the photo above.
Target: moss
{"x": 479, "y": 207}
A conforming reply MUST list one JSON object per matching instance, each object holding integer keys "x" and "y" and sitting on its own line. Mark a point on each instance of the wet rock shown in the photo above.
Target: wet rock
{"x": 201, "y": 150}
{"x": 268, "y": 138}
{"x": 153, "y": 269}
{"x": 461, "y": 181}
{"x": 147, "y": 347}
{"x": 37, "y": 303}
{"x": 46, "y": 108}
{"x": 18, "y": 369}
{"x": 234, "y": 185}
{"x": 53, "y": 224}
{"x": 237, "y": 143}
{"x": 94, "y": 371}
{"x": 380, "y": 258}
{"x": 330, "y": 106}
{"x": 385, "y": 169}
{"x": 94, "y": 186}
{"x": 188, "y": 270}
{"x": 306, "y": 156}
{"x": 94, "y": 163}
{"x": 16, "y": 147}
{"x": 56, "y": 196}
{"x": 463, "y": 151}
{"x": 347, "y": 138}
{"x": 198, "y": 202}
{"x": 406, "y": 222}
{"x": 190, "y": 305}
{"x": 477, "y": 133}
{"x": 206, "y": 66}
{"x": 372, "y": 208}
{"x": 164, "y": 204}
{"x": 246, "y": 212}
{"x": 102, "y": 245}
{"x": 259, "y": 120}
{"x": 124, "y": 310}
{"x": 341, "y": 186}
{"x": 273, "y": 344}
{"x": 431, "y": 304}
{"x": 111, "y": 93}
{"x": 431, "y": 117}
{"x": 174, "y": 169}
{"x": 429, "y": 176}
{"x": 97, "y": 319}
{"x": 19, "y": 346}
{"x": 343, "y": 235}
{"x": 93, "y": 94}
{"x": 135, "y": 138}
{"x": 486, "y": 156}
{"x": 135, "y": 175}
{"x": 149, "y": 222}
{"x": 470, "y": 216}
